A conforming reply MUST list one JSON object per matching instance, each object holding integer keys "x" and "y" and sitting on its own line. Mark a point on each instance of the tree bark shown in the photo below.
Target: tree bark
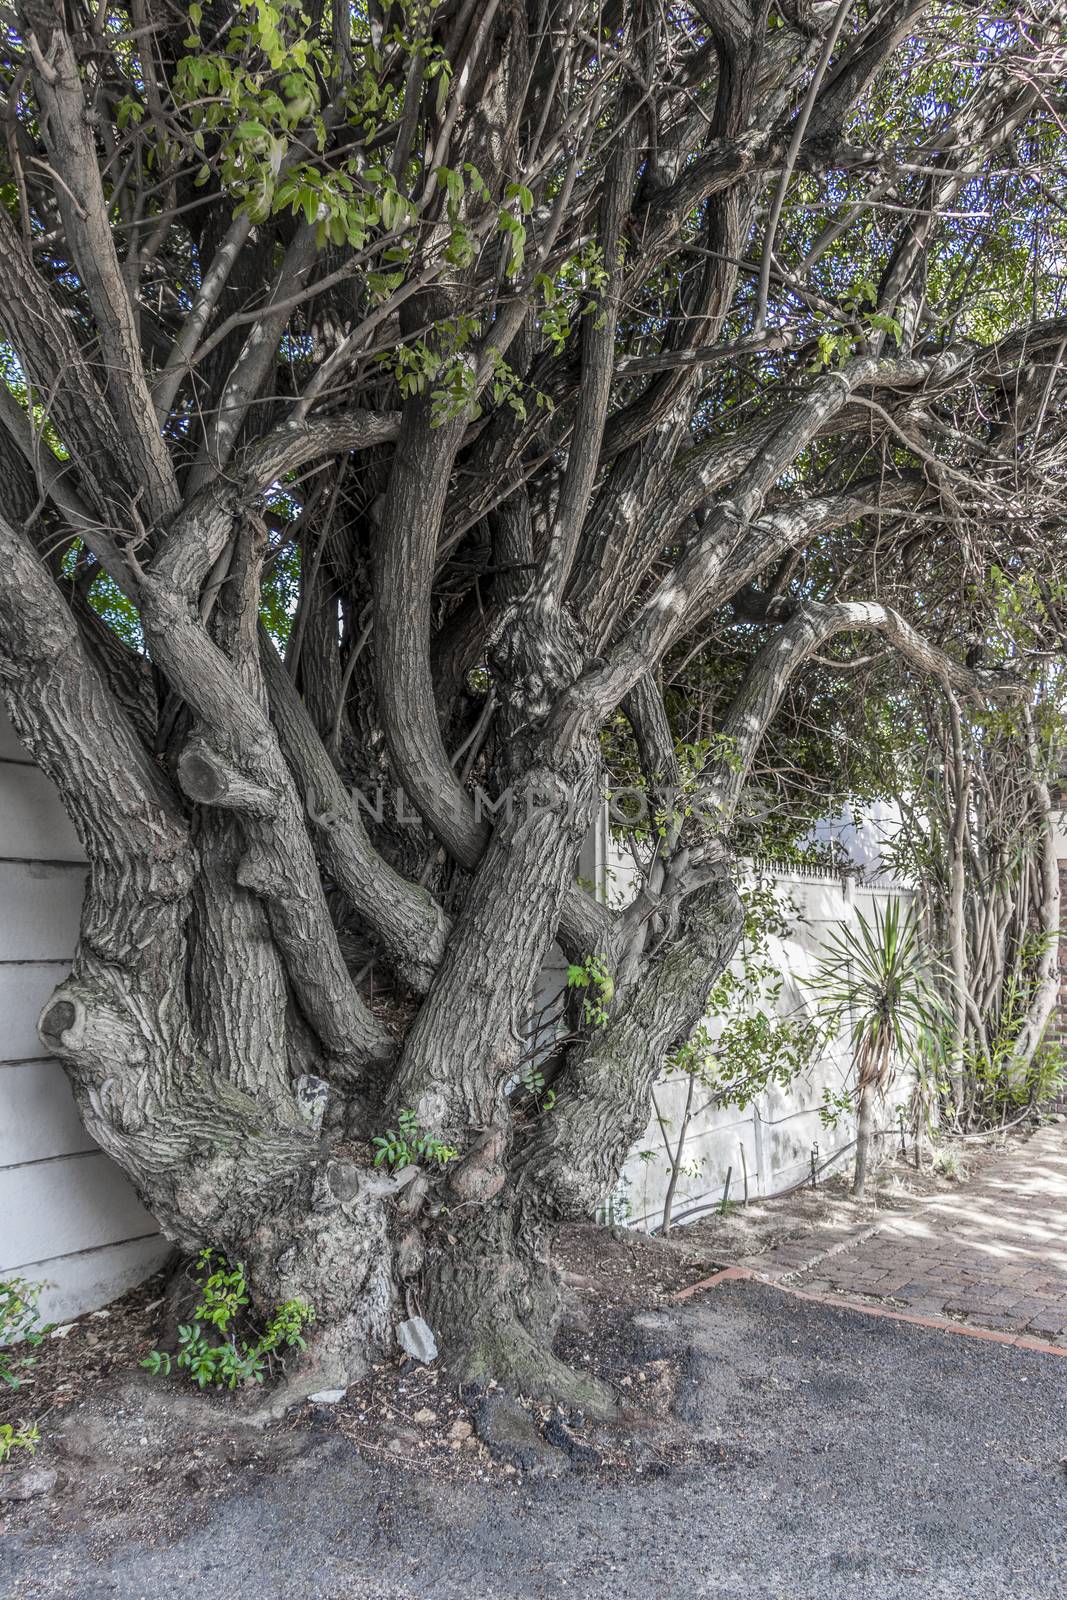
{"x": 864, "y": 1133}
{"x": 495, "y": 1293}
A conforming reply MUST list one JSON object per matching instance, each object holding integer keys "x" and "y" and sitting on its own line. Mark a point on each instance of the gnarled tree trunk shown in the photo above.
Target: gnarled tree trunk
{"x": 432, "y": 353}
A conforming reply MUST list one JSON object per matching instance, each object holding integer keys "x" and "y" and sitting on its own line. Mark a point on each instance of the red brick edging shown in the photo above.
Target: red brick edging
{"x": 1021, "y": 1341}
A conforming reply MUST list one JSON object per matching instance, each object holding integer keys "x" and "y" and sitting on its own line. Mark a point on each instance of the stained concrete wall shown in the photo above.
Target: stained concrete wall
{"x": 68, "y": 1218}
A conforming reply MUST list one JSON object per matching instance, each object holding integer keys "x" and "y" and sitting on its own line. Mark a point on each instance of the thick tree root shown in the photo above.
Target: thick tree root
{"x": 523, "y": 1363}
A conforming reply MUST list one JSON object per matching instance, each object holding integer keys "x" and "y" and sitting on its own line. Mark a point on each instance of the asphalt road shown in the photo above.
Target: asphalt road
{"x": 843, "y": 1455}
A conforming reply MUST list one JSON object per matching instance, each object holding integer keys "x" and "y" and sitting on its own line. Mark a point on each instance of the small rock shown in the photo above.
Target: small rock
{"x": 396, "y": 1447}
{"x": 327, "y": 1397}
{"x": 460, "y": 1429}
{"x": 416, "y": 1339}
{"x": 425, "y": 1416}
{"x": 29, "y": 1484}
{"x": 62, "y": 1331}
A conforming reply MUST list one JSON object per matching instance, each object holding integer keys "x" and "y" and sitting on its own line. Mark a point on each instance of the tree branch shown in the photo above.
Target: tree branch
{"x": 786, "y": 651}
{"x": 80, "y": 197}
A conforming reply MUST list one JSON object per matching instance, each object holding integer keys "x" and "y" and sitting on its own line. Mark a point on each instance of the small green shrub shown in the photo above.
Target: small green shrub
{"x": 407, "y": 1145}
{"x": 23, "y": 1436}
{"x": 947, "y": 1162}
{"x": 20, "y": 1330}
{"x": 228, "y": 1361}
{"x": 20, "y": 1333}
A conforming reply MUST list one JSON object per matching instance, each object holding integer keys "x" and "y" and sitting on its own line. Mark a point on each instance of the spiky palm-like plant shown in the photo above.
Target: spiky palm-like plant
{"x": 877, "y": 975}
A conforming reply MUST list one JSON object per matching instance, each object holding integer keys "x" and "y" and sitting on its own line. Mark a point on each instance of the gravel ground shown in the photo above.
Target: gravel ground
{"x": 830, "y": 1454}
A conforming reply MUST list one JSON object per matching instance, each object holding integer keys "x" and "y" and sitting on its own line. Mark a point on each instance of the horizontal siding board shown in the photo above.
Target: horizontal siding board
{"x": 40, "y": 906}
{"x": 39, "y": 1118}
{"x": 10, "y": 748}
{"x": 75, "y": 1284}
{"x": 24, "y": 988}
{"x": 69, "y": 1219}
{"x": 33, "y": 823}
{"x": 55, "y": 1208}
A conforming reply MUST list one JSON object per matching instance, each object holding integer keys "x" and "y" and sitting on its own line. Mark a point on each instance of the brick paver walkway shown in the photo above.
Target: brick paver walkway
{"x": 992, "y": 1254}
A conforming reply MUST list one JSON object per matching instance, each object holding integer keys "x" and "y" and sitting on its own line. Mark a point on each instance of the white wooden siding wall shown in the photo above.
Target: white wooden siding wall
{"x": 68, "y": 1218}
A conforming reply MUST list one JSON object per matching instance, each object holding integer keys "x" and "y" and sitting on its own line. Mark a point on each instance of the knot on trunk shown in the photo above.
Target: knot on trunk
{"x": 210, "y": 780}
{"x": 481, "y": 1175}
{"x": 79, "y": 1026}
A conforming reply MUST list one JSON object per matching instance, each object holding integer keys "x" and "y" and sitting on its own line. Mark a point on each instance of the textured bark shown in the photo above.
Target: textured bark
{"x": 185, "y": 1084}
{"x": 494, "y": 1291}
{"x": 411, "y": 927}
{"x": 864, "y": 1136}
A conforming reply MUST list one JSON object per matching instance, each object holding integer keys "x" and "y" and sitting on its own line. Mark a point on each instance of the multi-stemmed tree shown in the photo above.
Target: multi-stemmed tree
{"x": 390, "y": 394}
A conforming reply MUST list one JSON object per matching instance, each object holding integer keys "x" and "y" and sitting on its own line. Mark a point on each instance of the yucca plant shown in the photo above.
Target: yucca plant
{"x": 876, "y": 975}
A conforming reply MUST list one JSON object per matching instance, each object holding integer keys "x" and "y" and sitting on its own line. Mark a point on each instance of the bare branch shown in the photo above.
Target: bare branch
{"x": 787, "y": 650}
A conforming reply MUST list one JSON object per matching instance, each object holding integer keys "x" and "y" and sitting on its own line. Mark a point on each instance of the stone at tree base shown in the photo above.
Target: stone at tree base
{"x": 327, "y": 1397}
{"x": 416, "y": 1339}
{"x": 29, "y": 1484}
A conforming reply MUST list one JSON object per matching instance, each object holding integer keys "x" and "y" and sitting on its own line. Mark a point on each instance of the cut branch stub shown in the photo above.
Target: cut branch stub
{"x": 58, "y": 1021}
{"x": 209, "y": 780}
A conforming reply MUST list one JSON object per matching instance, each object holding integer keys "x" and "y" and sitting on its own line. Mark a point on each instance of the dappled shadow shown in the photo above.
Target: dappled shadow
{"x": 992, "y": 1254}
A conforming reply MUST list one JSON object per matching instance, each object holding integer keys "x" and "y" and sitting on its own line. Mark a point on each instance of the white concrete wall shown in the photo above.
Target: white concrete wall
{"x": 771, "y": 1140}
{"x": 68, "y": 1218}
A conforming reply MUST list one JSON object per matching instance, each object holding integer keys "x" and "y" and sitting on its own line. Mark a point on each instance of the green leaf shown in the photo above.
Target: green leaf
{"x": 519, "y": 192}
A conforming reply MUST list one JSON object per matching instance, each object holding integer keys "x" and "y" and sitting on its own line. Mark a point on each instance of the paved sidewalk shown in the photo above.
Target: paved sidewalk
{"x": 992, "y": 1254}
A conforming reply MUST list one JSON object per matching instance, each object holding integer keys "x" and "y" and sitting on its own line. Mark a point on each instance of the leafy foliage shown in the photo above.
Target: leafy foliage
{"x": 408, "y": 1144}
{"x": 876, "y": 978}
{"x": 21, "y": 1330}
{"x": 18, "y": 1436}
{"x": 210, "y": 1348}
{"x": 593, "y": 978}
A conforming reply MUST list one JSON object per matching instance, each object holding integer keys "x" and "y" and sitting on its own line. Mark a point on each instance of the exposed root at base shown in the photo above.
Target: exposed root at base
{"x": 521, "y": 1364}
